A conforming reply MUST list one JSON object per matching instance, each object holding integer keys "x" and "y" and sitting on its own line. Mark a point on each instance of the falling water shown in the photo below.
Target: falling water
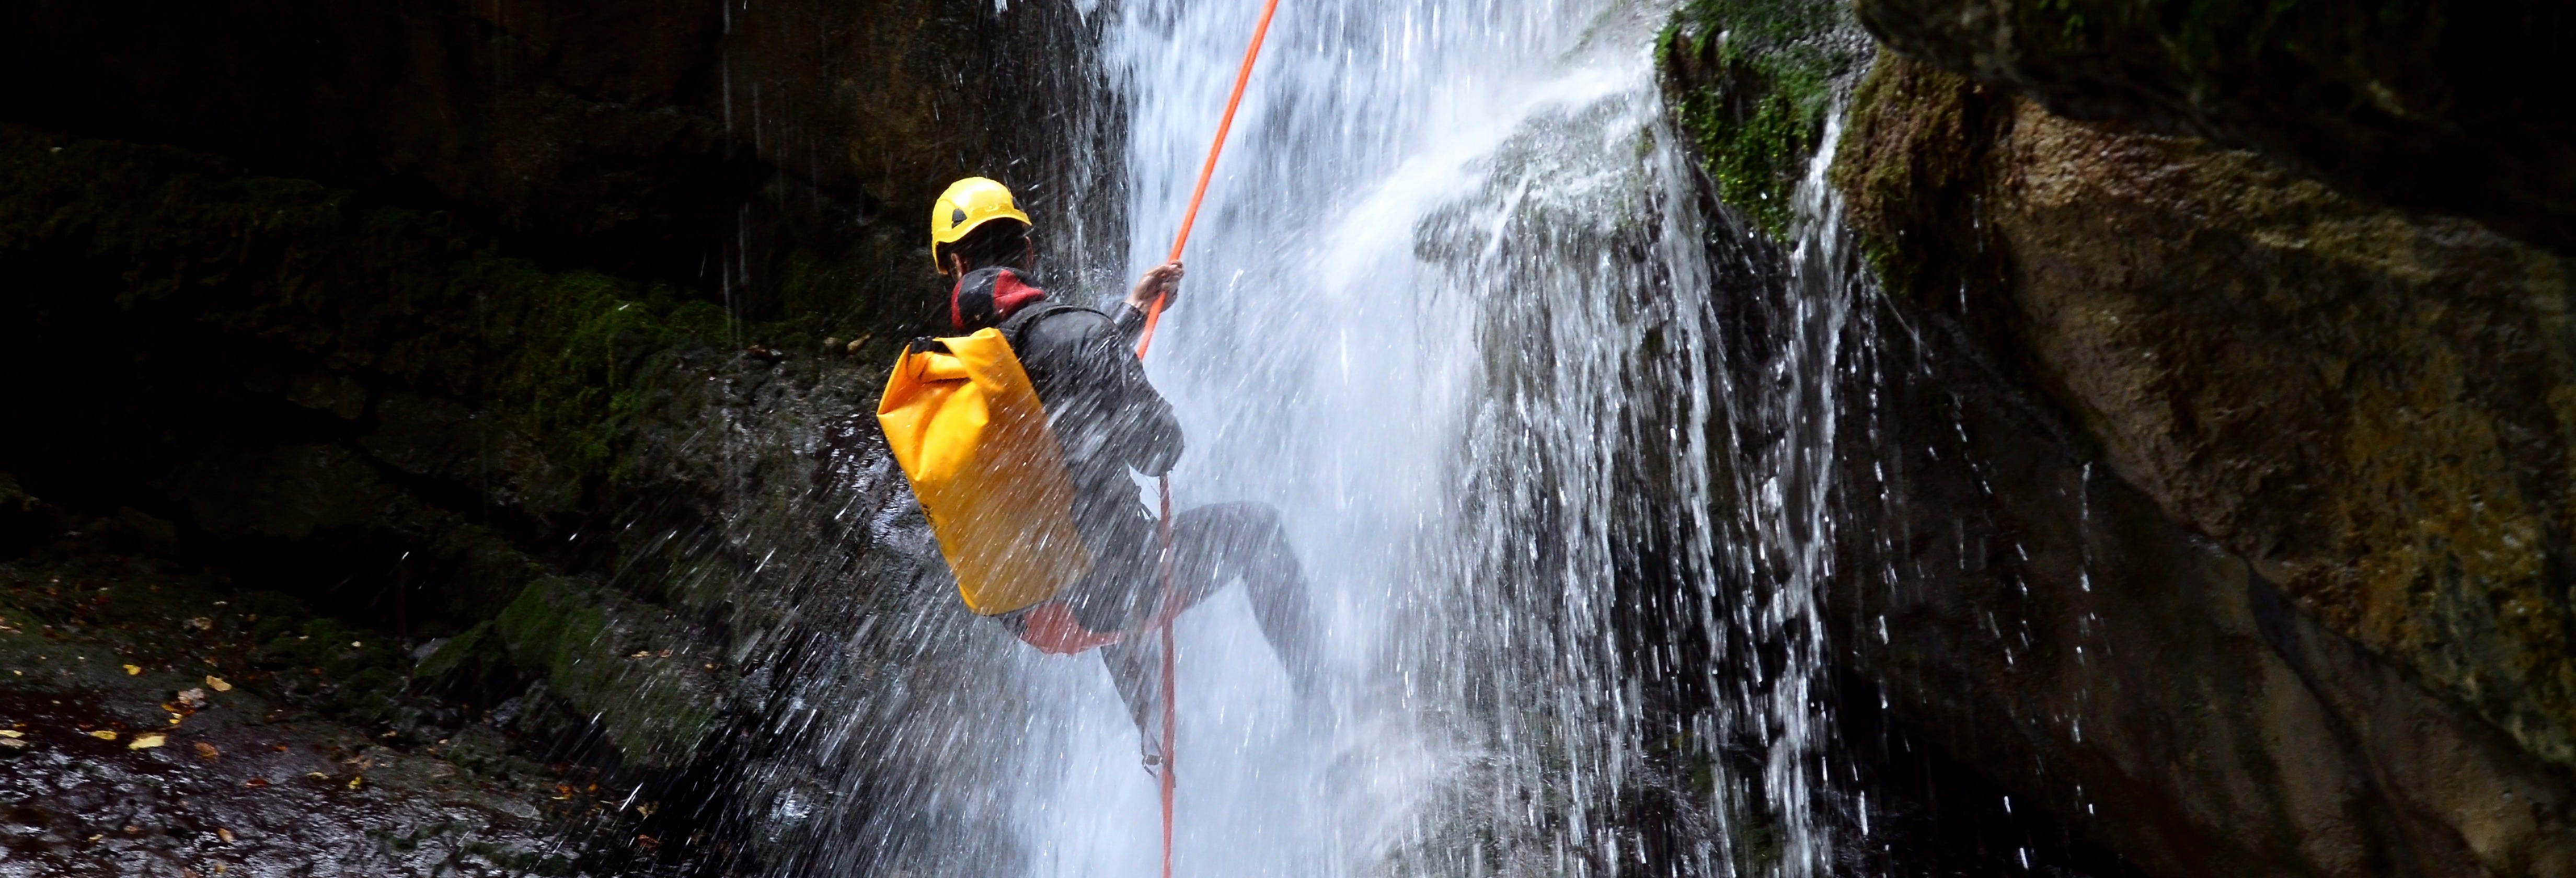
{"x": 1455, "y": 309}
{"x": 1451, "y": 313}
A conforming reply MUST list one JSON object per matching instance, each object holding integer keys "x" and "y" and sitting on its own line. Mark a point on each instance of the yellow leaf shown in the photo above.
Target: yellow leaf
{"x": 131, "y": 670}
{"x": 147, "y": 741}
{"x": 218, "y": 684}
{"x": 355, "y": 781}
{"x": 208, "y": 751}
{"x": 103, "y": 735}
{"x": 12, "y": 733}
{"x": 225, "y": 834}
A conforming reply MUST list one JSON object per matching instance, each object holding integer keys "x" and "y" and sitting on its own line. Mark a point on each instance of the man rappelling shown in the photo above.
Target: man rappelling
{"x": 1020, "y": 435}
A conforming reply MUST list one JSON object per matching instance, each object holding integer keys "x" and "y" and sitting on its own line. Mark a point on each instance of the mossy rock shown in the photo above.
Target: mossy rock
{"x": 629, "y": 668}
{"x": 2371, "y": 406}
{"x": 1752, "y": 83}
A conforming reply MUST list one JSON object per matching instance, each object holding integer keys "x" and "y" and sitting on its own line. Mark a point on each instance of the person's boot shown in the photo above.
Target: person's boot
{"x": 1151, "y": 752}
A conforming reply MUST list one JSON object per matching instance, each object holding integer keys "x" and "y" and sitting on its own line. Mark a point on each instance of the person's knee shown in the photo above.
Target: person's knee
{"x": 1261, "y": 518}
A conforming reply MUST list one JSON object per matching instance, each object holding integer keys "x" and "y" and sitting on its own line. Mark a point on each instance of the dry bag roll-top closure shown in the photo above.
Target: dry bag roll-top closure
{"x": 971, "y": 435}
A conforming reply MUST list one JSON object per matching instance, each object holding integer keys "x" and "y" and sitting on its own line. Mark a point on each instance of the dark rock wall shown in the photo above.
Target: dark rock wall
{"x": 639, "y": 139}
{"x": 2032, "y": 614}
{"x": 2220, "y": 494}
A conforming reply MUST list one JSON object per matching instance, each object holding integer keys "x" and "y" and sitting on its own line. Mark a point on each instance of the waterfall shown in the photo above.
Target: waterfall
{"x": 1450, "y": 310}
{"x": 1458, "y": 309}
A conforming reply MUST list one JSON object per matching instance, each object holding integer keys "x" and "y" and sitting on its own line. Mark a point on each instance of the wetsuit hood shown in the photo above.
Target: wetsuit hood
{"x": 987, "y": 296}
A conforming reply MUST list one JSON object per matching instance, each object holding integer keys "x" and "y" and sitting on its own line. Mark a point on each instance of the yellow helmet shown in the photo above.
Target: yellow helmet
{"x": 969, "y": 203}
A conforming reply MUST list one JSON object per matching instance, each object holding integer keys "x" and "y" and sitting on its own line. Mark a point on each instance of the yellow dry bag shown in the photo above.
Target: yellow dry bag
{"x": 971, "y": 435}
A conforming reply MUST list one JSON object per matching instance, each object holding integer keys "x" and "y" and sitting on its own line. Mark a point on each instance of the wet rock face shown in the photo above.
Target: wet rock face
{"x": 2047, "y": 623}
{"x": 2362, "y": 410}
{"x": 2446, "y": 107}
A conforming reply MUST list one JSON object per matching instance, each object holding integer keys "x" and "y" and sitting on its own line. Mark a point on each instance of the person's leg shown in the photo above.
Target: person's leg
{"x": 1226, "y": 541}
{"x": 1214, "y": 545}
{"x": 1136, "y": 668}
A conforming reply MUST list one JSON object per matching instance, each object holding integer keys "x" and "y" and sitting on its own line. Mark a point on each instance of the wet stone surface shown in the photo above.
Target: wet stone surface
{"x": 140, "y": 738}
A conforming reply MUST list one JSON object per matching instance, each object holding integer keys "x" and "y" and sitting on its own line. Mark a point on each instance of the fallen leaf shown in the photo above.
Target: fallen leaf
{"x": 185, "y": 872}
{"x": 131, "y": 670}
{"x": 202, "y": 623}
{"x": 256, "y": 782}
{"x": 642, "y": 653}
{"x": 218, "y": 684}
{"x": 354, "y": 644}
{"x": 12, "y": 733}
{"x": 192, "y": 699}
{"x": 317, "y": 775}
{"x": 103, "y": 735}
{"x": 355, "y": 781}
{"x": 147, "y": 741}
{"x": 225, "y": 834}
{"x": 175, "y": 718}
{"x": 207, "y": 751}
{"x": 13, "y": 743}
{"x": 94, "y": 839}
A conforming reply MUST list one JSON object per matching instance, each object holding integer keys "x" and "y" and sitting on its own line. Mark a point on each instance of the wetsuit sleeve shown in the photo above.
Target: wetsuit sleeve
{"x": 1131, "y": 324}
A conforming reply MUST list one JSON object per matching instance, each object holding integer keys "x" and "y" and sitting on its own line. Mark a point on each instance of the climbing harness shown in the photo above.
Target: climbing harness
{"x": 1154, "y": 315}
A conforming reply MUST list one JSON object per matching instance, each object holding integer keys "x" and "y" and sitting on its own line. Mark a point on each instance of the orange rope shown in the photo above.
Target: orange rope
{"x": 1171, "y": 701}
{"x": 1153, "y": 316}
{"x": 1243, "y": 76}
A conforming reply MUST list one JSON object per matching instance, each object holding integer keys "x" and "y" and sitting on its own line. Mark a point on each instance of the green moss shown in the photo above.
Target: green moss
{"x": 610, "y": 658}
{"x": 1753, "y": 82}
{"x": 1911, "y": 155}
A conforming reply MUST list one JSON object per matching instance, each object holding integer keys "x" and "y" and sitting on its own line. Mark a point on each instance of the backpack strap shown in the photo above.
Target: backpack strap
{"x": 1017, "y": 327}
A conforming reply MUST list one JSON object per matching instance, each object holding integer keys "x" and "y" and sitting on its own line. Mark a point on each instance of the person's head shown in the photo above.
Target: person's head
{"x": 977, "y": 224}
